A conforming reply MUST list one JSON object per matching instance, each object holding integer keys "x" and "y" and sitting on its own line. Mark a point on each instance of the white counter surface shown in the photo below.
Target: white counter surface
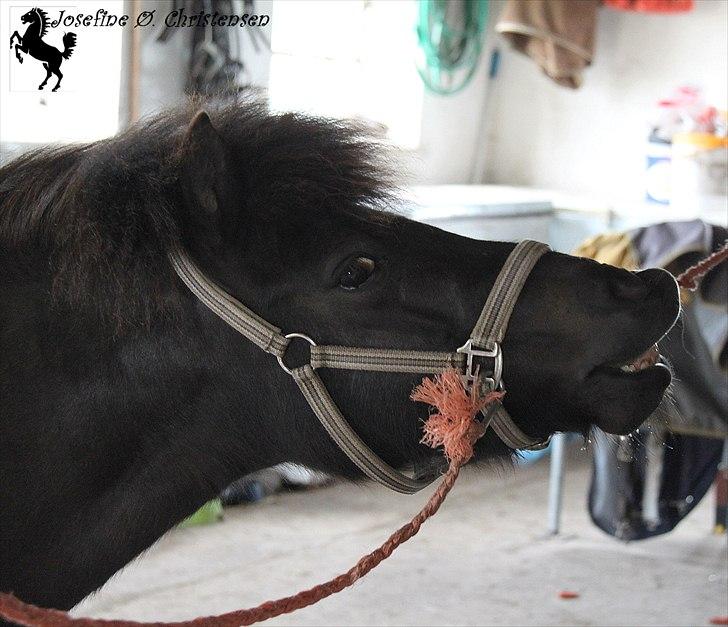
{"x": 434, "y": 202}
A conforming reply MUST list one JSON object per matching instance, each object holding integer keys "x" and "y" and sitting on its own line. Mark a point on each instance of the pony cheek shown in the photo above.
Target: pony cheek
{"x": 539, "y": 400}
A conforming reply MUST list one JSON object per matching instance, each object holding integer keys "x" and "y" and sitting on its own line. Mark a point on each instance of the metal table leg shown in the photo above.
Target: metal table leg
{"x": 721, "y": 492}
{"x": 556, "y": 480}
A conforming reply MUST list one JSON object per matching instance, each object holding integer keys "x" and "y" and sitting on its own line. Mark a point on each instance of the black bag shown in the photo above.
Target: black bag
{"x": 643, "y": 486}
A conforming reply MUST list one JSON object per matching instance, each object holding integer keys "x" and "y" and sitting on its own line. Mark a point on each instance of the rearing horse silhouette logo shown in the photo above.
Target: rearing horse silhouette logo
{"x": 32, "y": 43}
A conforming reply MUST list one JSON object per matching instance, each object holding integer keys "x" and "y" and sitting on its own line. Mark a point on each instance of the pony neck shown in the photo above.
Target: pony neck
{"x": 37, "y": 26}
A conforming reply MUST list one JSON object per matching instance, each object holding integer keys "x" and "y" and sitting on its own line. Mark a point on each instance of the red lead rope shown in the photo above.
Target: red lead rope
{"x": 453, "y": 427}
{"x": 689, "y": 278}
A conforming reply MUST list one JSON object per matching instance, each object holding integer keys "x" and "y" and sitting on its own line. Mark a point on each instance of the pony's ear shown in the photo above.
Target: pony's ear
{"x": 204, "y": 182}
{"x": 204, "y": 167}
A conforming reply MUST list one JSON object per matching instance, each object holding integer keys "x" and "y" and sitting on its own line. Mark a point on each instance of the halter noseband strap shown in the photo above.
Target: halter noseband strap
{"x": 484, "y": 341}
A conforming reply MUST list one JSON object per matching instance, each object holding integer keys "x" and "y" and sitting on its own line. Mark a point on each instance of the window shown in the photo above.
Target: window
{"x": 353, "y": 59}
{"x": 86, "y": 107}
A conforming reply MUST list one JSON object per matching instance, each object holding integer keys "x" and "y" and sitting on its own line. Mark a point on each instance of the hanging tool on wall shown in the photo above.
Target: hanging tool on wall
{"x": 215, "y": 63}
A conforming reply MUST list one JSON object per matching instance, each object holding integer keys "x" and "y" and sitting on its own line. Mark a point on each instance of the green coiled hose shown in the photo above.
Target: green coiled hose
{"x": 450, "y": 34}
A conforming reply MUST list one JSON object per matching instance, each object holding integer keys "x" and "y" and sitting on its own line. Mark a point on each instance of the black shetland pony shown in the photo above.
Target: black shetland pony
{"x": 32, "y": 43}
{"x": 125, "y": 404}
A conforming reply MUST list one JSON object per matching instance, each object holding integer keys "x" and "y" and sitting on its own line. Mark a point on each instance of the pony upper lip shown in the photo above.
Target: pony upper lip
{"x": 645, "y": 360}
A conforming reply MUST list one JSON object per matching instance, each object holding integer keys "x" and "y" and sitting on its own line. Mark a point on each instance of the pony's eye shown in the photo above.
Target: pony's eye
{"x": 356, "y": 272}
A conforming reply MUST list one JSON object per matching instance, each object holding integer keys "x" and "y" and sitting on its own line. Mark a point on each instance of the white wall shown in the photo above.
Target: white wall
{"x": 592, "y": 140}
{"x": 451, "y": 133}
{"x": 449, "y": 139}
{"x": 164, "y": 65}
{"x": 521, "y": 128}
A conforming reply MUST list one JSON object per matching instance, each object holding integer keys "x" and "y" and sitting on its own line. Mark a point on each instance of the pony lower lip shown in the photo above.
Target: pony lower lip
{"x": 639, "y": 375}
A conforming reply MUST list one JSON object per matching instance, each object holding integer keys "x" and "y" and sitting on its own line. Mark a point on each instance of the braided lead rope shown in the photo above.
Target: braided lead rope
{"x": 454, "y": 428}
{"x": 14, "y": 610}
{"x": 689, "y": 279}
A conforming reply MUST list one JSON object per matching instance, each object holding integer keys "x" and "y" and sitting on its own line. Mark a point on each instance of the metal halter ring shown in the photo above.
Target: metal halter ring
{"x": 303, "y": 336}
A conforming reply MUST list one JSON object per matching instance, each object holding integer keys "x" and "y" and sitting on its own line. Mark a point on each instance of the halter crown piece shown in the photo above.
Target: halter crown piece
{"x": 484, "y": 343}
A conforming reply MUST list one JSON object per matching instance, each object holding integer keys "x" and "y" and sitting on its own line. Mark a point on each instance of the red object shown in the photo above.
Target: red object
{"x": 452, "y": 427}
{"x": 689, "y": 278}
{"x": 651, "y": 6}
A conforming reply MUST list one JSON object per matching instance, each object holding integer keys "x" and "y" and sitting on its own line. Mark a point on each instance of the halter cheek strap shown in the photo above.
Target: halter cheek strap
{"x": 490, "y": 329}
{"x": 484, "y": 343}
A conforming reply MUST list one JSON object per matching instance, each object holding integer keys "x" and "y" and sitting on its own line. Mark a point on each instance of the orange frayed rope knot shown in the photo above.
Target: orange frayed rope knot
{"x": 453, "y": 426}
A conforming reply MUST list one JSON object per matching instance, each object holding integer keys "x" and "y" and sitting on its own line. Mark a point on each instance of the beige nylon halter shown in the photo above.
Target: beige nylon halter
{"x": 485, "y": 341}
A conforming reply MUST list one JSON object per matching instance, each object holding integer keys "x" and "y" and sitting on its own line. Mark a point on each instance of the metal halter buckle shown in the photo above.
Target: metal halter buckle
{"x": 472, "y": 371}
{"x": 303, "y": 336}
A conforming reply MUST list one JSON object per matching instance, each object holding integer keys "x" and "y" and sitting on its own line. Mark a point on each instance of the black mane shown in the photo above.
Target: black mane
{"x": 43, "y": 21}
{"x": 103, "y": 215}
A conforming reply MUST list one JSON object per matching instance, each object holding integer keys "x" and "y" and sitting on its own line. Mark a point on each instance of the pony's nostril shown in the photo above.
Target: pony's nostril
{"x": 637, "y": 286}
{"x": 663, "y": 289}
{"x": 657, "y": 279}
{"x": 631, "y": 287}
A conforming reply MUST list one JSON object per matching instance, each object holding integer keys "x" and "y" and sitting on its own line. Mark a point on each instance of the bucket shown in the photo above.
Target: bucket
{"x": 699, "y": 170}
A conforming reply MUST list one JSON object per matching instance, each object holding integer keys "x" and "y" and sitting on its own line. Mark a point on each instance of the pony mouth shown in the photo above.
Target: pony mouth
{"x": 622, "y": 395}
{"x": 649, "y": 359}
{"x": 647, "y": 362}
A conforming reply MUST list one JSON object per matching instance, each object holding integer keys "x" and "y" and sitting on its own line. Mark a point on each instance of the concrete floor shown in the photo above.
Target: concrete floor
{"x": 483, "y": 560}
